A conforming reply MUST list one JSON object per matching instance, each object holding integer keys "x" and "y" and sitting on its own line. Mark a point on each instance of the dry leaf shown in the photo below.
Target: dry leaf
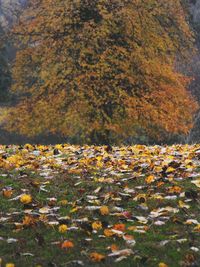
{"x": 67, "y": 244}
{"x": 104, "y": 210}
{"x": 25, "y": 199}
{"x": 96, "y": 257}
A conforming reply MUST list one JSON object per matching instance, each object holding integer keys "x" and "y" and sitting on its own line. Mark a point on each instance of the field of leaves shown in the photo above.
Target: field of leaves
{"x": 99, "y": 206}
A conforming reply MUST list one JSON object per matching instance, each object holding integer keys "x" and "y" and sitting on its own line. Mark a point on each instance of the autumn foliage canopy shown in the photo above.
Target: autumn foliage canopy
{"x": 101, "y": 70}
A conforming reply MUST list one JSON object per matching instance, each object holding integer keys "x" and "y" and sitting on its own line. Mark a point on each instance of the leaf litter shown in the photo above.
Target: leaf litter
{"x": 70, "y": 205}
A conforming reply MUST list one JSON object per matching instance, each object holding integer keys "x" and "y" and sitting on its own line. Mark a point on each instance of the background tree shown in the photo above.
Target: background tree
{"x": 5, "y": 75}
{"x": 101, "y": 70}
{"x": 193, "y": 68}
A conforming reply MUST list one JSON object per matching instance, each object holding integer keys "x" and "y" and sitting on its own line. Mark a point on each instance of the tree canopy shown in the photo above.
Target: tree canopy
{"x": 101, "y": 70}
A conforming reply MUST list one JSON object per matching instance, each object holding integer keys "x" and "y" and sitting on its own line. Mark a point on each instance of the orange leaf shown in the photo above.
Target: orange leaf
{"x": 96, "y": 257}
{"x": 175, "y": 189}
{"x": 104, "y": 210}
{"x": 119, "y": 227}
{"x": 159, "y": 184}
{"x": 108, "y": 232}
{"x": 7, "y": 193}
{"x": 28, "y": 220}
{"x": 67, "y": 244}
{"x": 114, "y": 248}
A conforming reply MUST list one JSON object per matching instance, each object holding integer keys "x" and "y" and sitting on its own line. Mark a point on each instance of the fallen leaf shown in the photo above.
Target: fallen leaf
{"x": 25, "y": 199}
{"x": 67, "y": 244}
{"x": 123, "y": 252}
{"x": 162, "y": 264}
{"x": 104, "y": 210}
{"x": 96, "y": 257}
{"x": 108, "y": 232}
{"x": 119, "y": 227}
{"x": 97, "y": 225}
{"x": 150, "y": 179}
{"x": 63, "y": 228}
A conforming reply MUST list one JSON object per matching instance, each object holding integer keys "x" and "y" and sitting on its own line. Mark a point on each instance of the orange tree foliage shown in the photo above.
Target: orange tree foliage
{"x": 101, "y": 69}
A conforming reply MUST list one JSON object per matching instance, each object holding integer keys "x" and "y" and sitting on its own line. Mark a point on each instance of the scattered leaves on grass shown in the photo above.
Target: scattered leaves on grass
{"x": 134, "y": 204}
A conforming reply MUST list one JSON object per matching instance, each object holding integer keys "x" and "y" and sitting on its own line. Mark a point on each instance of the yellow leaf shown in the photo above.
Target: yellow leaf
{"x": 62, "y": 228}
{"x": 63, "y": 202}
{"x": 26, "y": 199}
{"x": 99, "y": 158}
{"x": 157, "y": 169}
{"x": 97, "y": 225}
{"x": 132, "y": 228}
{"x": 150, "y": 179}
{"x": 104, "y": 210}
{"x": 162, "y": 264}
{"x": 74, "y": 210}
{"x": 183, "y": 205}
{"x": 170, "y": 169}
{"x": 197, "y": 228}
{"x": 10, "y": 265}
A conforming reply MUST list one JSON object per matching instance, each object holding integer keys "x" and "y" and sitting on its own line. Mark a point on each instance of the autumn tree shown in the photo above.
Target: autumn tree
{"x": 101, "y": 70}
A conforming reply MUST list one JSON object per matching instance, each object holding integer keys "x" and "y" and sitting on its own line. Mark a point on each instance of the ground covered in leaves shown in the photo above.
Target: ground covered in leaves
{"x": 99, "y": 206}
